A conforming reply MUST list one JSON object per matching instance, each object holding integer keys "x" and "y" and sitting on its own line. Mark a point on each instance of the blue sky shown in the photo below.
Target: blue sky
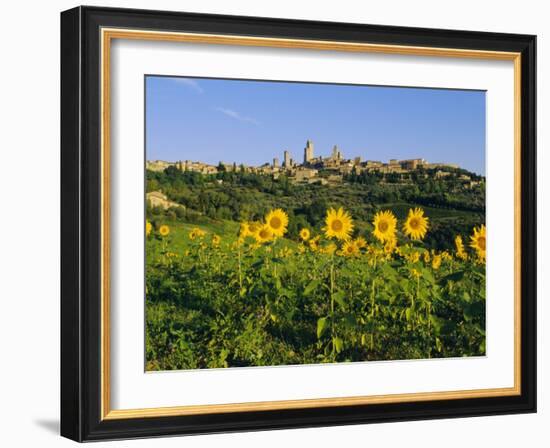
{"x": 251, "y": 122}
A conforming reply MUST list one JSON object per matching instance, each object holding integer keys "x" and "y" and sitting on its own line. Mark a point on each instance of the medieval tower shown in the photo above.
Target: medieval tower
{"x": 286, "y": 160}
{"x": 308, "y": 152}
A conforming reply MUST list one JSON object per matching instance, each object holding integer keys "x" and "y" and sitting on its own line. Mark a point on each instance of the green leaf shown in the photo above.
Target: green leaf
{"x": 350, "y": 320}
{"x": 338, "y": 344}
{"x": 311, "y": 287}
{"x": 474, "y": 310}
{"x": 427, "y": 275}
{"x": 339, "y": 298}
{"x": 321, "y": 325}
{"x": 437, "y": 323}
{"x": 258, "y": 264}
{"x": 455, "y": 277}
{"x": 388, "y": 271}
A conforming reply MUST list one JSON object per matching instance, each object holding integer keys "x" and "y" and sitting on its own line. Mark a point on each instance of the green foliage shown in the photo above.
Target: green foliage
{"x": 453, "y": 208}
{"x": 211, "y": 306}
{"x": 237, "y": 304}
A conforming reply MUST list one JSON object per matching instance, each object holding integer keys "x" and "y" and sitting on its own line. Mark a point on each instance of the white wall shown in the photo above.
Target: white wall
{"x": 29, "y": 236}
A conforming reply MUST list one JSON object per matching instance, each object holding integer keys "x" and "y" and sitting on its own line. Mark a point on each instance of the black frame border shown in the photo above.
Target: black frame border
{"x": 81, "y": 223}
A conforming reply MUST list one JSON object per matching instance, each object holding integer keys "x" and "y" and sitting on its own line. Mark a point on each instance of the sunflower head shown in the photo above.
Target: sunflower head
{"x": 305, "y": 234}
{"x": 478, "y": 241}
{"x": 390, "y": 246}
{"x": 277, "y": 220}
{"x": 148, "y": 228}
{"x": 350, "y": 249}
{"x": 436, "y": 262}
{"x": 360, "y": 242}
{"x": 339, "y": 224}
{"x": 264, "y": 234}
{"x": 385, "y": 224}
{"x": 314, "y": 243}
{"x": 416, "y": 224}
{"x": 413, "y": 257}
{"x": 459, "y": 244}
{"x": 426, "y": 257}
{"x": 244, "y": 230}
{"x": 253, "y": 226}
{"x": 329, "y": 249}
{"x": 196, "y": 233}
{"x": 164, "y": 230}
{"x": 460, "y": 251}
{"x": 216, "y": 240}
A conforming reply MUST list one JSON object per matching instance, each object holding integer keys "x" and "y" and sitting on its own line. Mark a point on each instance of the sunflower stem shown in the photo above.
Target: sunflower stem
{"x": 240, "y": 269}
{"x": 332, "y": 302}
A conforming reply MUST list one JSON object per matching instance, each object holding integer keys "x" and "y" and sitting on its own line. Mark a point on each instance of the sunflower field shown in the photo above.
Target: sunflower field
{"x": 248, "y": 295}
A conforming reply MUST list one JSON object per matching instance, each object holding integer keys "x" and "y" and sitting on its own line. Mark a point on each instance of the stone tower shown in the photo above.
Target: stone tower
{"x": 286, "y": 159}
{"x": 308, "y": 152}
{"x": 336, "y": 153}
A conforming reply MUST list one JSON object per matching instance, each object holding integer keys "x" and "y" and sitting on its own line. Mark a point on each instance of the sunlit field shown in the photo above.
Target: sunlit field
{"x": 228, "y": 294}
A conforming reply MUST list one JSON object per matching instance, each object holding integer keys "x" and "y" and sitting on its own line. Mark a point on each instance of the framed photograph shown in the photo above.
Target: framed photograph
{"x": 274, "y": 223}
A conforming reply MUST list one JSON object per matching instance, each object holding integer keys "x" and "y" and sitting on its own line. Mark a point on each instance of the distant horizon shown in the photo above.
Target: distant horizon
{"x": 251, "y": 122}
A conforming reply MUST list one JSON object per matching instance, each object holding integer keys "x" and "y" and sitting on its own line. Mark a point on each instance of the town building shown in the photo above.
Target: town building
{"x": 159, "y": 199}
{"x": 335, "y": 166}
{"x": 308, "y": 152}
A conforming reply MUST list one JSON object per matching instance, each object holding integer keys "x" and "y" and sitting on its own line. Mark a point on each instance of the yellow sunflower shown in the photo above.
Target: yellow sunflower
{"x": 329, "y": 249}
{"x": 360, "y": 242}
{"x": 244, "y": 230}
{"x": 390, "y": 246}
{"x": 460, "y": 252}
{"x": 164, "y": 230}
{"x": 305, "y": 234}
{"x": 216, "y": 240}
{"x": 436, "y": 262}
{"x": 196, "y": 233}
{"x": 277, "y": 220}
{"x": 253, "y": 227}
{"x": 314, "y": 243}
{"x": 350, "y": 249}
{"x": 478, "y": 241}
{"x": 264, "y": 234}
{"x": 148, "y": 228}
{"x": 413, "y": 257}
{"x": 385, "y": 224}
{"x": 416, "y": 224}
{"x": 339, "y": 224}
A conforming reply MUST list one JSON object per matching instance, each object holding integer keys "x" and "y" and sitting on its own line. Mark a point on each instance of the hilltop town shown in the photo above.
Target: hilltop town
{"x": 323, "y": 170}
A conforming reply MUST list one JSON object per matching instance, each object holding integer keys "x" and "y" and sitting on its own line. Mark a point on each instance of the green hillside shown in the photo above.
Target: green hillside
{"x": 453, "y": 205}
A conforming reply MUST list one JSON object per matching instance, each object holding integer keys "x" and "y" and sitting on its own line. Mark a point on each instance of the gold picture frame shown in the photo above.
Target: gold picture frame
{"x": 107, "y": 31}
